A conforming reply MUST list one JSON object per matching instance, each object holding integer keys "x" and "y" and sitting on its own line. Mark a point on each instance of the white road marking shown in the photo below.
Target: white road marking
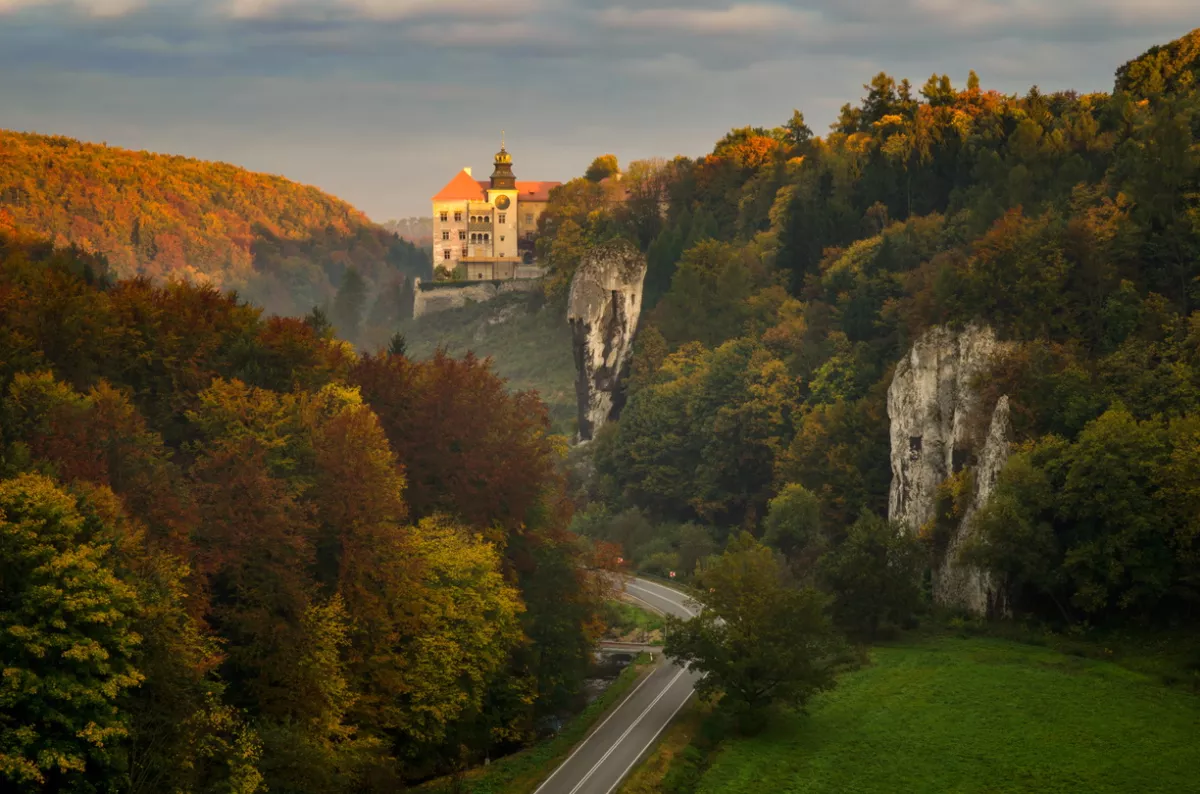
{"x": 611, "y": 714}
{"x": 621, "y": 738}
{"x": 647, "y": 603}
{"x": 653, "y": 739}
{"x": 664, "y": 598}
{"x": 628, "y": 699}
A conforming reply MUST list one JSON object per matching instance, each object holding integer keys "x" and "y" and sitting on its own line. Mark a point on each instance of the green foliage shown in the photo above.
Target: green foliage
{"x": 67, "y": 639}
{"x": 874, "y": 576}
{"x": 622, "y": 618}
{"x": 602, "y": 167}
{"x": 707, "y": 299}
{"x": 700, "y": 440}
{"x": 522, "y": 772}
{"x": 793, "y": 525}
{"x": 341, "y": 623}
{"x": 758, "y": 640}
{"x": 795, "y": 271}
{"x": 348, "y": 305}
{"x": 1090, "y": 524}
{"x": 397, "y": 345}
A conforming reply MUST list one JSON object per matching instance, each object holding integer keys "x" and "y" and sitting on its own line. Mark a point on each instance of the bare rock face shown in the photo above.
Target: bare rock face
{"x": 937, "y": 426}
{"x": 603, "y": 309}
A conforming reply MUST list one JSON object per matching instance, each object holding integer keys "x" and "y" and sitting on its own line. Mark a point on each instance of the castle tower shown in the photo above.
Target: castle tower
{"x": 502, "y": 194}
{"x": 502, "y": 176}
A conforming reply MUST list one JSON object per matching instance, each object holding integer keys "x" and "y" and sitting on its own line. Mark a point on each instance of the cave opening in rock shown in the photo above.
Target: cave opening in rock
{"x": 914, "y": 447}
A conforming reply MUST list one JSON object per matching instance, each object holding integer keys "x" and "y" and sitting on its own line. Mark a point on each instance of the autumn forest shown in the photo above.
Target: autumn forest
{"x": 248, "y": 543}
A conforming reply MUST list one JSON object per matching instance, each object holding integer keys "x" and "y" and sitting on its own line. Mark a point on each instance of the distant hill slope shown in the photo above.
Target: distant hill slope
{"x": 283, "y": 245}
{"x": 418, "y": 231}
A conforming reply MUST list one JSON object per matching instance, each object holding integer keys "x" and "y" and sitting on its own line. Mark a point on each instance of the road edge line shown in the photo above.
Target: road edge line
{"x": 596, "y": 729}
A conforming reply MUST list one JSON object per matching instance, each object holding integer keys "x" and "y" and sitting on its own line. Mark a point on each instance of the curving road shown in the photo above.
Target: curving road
{"x": 604, "y": 758}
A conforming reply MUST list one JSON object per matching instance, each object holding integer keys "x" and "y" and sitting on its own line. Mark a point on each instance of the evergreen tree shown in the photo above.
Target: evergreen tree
{"x": 347, "y": 314}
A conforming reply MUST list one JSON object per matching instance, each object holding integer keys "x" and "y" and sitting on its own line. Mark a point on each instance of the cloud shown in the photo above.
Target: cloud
{"x": 732, "y": 20}
{"x": 387, "y": 10}
{"x": 95, "y": 8}
{"x": 380, "y": 99}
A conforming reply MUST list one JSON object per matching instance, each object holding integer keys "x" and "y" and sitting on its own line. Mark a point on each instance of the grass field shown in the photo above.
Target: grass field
{"x": 520, "y": 773}
{"x": 975, "y": 715}
{"x": 629, "y": 623}
{"x": 529, "y": 347}
{"x": 625, "y": 617}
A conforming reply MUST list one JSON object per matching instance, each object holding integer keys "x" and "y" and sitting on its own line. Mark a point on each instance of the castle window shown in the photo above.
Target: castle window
{"x": 464, "y": 253}
{"x": 528, "y": 217}
{"x": 457, "y": 217}
{"x": 446, "y": 254}
{"x": 502, "y": 238}
{"x": 445, "y": 235}
{"x": 503, "y": 218}
{"x": 445, "y": 216}
{"x": 914, "y": 447}
{"x": 486, "y": 237}
{"x": 462, "y": 235}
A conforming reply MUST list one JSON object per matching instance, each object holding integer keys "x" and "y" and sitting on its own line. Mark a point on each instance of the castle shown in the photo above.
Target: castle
{"x": 485, "y": 230}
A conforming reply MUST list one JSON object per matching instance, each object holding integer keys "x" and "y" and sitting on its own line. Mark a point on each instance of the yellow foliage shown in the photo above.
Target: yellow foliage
{"x": 468, "y": 620}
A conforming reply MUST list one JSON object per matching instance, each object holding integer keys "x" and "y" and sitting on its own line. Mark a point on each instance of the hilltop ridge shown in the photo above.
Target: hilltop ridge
{"x": 281, "y": 244}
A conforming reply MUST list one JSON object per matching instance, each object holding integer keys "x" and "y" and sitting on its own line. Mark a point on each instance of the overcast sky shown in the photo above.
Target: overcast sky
{"x": 381, "y": 101}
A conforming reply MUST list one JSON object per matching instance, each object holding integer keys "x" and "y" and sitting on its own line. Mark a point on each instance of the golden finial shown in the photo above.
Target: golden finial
{"x": 501, "y": 140}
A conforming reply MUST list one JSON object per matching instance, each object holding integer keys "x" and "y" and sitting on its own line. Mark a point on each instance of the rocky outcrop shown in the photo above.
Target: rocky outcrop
{"x": 938, "y": 428}
{"x": 603, "y": 309}
{"x": 443, "y": 296}
{"x": 966, "y": 586}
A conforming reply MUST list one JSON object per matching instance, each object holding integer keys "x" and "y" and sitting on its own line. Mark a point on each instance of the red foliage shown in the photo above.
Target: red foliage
{"x": 253, "y": 546}
{"x": 470, "y": 448}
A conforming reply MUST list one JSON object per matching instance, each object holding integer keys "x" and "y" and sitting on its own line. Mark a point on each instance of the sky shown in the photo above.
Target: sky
{"x": 381, "y": 102}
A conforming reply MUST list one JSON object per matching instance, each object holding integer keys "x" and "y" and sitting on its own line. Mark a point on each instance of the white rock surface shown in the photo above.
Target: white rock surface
{"x": 936, "y": 428}
{"x": 603, "y": 308}
{"x": 459, "y": 293}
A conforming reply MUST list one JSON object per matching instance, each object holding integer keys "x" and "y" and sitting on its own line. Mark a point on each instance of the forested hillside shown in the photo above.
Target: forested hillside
{"x": 790, "y": 272}
{"x": 285, "y": 246}
{"x": 236, "y": 556}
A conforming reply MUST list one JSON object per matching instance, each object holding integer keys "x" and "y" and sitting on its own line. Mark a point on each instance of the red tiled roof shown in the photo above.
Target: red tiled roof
{"x": 462, "y": 188}
{"x": 535, "y": 191}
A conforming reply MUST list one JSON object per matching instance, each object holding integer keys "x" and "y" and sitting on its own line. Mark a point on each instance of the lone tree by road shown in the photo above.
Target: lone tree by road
{"x": 759, "y": 640}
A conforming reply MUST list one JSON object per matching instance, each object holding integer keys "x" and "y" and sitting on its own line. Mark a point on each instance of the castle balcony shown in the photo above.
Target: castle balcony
{"x": 478, "y": 224}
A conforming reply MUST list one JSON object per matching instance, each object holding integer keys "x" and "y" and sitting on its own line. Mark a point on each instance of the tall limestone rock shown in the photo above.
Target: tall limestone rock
{"x": 939, "y": 428}
{"x": 603, "y": 309}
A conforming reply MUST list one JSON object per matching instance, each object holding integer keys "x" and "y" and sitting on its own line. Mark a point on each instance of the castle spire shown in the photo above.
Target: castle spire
{"x": 502, "y": 176}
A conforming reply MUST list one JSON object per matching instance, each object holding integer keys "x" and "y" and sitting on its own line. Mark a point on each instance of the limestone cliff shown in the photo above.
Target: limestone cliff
{"x": 444, "y": 296}
{"x": 937, "y": 430}
{"x": 603, "y": 309}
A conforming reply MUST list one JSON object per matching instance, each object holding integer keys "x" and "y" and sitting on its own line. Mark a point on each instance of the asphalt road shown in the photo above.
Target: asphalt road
{"x": 605, "y": 757}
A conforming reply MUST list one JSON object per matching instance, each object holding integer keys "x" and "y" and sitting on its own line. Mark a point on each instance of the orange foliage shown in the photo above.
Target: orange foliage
{"x": 170, "y": 217}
